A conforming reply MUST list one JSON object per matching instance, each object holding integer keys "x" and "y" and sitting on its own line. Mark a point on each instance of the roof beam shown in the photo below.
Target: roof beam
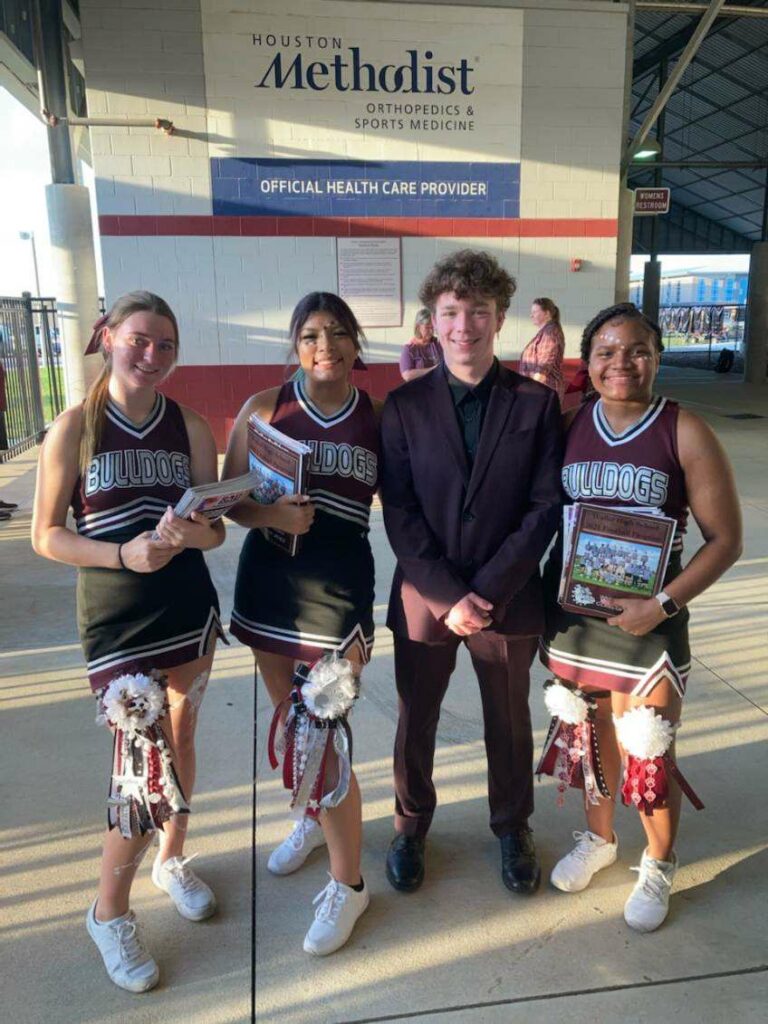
{"x": 729, "y": 11}
{"x": 671, "y": 83}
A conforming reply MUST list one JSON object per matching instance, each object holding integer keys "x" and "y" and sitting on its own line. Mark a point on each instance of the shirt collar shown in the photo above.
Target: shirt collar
{"x": 460, "y": 390}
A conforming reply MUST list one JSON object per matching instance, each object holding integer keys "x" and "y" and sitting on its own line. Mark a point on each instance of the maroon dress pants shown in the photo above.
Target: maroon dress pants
{"x": 422, "y": 673}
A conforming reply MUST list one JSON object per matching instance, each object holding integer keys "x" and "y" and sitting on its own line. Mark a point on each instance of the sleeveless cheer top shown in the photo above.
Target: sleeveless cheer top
{"x": 343, "y": 466}
{"x": 136, "y": 473}
{"x": 639, "y": 467}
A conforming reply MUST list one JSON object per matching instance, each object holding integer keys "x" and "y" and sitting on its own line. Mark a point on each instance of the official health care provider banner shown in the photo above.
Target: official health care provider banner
{"x": 343, "y": 188}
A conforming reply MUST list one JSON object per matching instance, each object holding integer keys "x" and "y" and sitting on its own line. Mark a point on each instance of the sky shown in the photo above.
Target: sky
{"x": 674, "y": 264}
{"x": 25, "y": 171}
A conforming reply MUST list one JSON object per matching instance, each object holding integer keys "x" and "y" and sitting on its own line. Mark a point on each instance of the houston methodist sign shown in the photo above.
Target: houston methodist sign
{"x": 347, "y": 71}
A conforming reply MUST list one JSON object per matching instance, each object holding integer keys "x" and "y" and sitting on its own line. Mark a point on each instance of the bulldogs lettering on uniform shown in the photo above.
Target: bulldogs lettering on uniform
{"x": 345, "y": 460}
{"x": 136, "y": 468}
{"x": 608, "y": 480}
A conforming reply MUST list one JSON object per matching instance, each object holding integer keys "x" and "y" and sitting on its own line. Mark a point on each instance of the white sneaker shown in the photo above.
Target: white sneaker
{"x": 288, "y": 857}
{"x": 340, "y": 906}
{"x": 648, "y": 904}
{"x": 127, "y": 961}
{"x": 592, "y": 853}
{"x": 192, "y": 897}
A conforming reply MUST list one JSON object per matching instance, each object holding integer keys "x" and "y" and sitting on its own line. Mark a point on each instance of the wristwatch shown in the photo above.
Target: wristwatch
{"x": 668, "y": 604}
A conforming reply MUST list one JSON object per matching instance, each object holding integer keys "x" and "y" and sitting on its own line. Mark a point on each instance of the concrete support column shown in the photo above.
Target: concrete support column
{"x": 624, "y": 243}
{"x": 75, "y": 283}
{"x": 756, "y": 333}
{"x": 651, "y": 289}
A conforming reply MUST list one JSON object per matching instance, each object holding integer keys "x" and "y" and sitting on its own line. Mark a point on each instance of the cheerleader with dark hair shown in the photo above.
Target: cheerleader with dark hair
{"x": 625, "y": 677}
{"x": 294, "y": 610}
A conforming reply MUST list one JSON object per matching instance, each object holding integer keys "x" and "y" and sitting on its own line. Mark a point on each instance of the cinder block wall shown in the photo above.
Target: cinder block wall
{"x": 548, "y": 81}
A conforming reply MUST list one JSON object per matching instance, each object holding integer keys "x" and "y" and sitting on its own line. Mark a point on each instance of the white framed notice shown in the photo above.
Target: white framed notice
{"x": 371, "y": 279}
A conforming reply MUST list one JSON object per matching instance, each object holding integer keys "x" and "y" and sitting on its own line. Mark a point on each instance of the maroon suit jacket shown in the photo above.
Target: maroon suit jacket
{"x": 453, "y": 530}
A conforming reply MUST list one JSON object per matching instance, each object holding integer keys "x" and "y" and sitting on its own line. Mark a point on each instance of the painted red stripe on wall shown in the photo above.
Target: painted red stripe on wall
{"x": 344, "y": 227}
{"x": 218, "y": 392}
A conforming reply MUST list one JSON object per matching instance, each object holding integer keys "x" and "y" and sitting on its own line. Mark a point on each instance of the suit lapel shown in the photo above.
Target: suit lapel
{"x": 499, "y": 407}
{"x": 444, "y": 412}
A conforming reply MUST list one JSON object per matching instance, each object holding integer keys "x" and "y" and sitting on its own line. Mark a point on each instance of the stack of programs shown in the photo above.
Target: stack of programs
{"x": 279, "y": 465}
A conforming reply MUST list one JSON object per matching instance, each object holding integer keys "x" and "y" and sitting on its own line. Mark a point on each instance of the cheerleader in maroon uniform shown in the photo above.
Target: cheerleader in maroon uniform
{"x": 293, "y": 610}
{"x": 619, "y": 682}
{"x": 145, "y": 601}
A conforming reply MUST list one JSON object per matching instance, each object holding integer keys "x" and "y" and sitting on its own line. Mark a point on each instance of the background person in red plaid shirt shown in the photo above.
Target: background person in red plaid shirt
{"x": 542, "y": 357}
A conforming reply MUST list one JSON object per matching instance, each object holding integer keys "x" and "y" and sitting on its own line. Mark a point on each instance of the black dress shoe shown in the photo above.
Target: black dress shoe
{"x": 405, "y": 862}
{"x": 8, "y": 506}
{"x": 520, "y": 870}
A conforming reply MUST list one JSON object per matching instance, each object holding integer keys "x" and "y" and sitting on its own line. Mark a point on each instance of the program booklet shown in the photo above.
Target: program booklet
{"x": 610, "y": 554}
{"x": 215, "y": 500}
{"x": 279, "y": 465}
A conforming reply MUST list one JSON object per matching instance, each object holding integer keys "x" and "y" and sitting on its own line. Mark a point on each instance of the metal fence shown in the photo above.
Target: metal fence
{"x": 31, "y": 373}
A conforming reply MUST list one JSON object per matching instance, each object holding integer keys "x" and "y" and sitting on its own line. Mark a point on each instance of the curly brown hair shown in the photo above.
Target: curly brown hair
{"x": 468, "y": 272}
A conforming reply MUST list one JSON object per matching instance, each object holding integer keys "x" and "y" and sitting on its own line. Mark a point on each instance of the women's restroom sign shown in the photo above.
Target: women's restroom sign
{"x": 650, "y": 201}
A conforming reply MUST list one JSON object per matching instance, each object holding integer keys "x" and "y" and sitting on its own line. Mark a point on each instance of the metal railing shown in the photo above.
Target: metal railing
{"x": 31, "y": 372}
{"x": 703, "y": 327}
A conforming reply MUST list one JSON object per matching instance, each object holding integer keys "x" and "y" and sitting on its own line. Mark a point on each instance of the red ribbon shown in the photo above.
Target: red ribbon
{"x": 94, "y": 344}
{"x": 646, "y": 783}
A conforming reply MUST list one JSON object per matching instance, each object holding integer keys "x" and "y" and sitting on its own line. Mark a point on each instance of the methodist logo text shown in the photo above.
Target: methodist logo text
{"x": 348, "y": 72}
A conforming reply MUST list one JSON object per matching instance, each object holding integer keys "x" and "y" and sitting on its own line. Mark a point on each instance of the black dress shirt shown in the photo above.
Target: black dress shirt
{"x": 471, "y": 404}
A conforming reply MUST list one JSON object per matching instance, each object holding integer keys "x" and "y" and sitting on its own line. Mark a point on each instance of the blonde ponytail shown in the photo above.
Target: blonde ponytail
{"x": 93, "y": 415}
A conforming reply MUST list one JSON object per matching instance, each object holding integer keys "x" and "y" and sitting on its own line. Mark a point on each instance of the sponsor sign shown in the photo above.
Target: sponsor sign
{"x": 649, "y": 201}
{"x": 364, "y": 188}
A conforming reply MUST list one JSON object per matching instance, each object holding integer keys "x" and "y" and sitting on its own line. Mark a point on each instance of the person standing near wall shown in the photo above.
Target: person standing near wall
{"x": 542, "y": 357}
{"x": 145, "y": 602}
{"x": 422, "y": 353}
{"x": 468, "y": 537}
{"x": 291, "y": 611}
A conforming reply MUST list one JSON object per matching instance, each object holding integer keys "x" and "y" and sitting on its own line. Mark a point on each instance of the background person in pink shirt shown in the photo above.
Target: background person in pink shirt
{"x": 542, "y": 357}
{"x": 422, "y": 352}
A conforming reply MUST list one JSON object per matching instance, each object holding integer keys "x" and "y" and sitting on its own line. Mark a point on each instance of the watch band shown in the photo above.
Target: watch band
{"x": 668, "y": 604}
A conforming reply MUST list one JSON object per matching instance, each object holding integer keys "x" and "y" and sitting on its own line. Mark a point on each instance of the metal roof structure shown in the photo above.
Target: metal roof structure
{"x": 718, "y": 115}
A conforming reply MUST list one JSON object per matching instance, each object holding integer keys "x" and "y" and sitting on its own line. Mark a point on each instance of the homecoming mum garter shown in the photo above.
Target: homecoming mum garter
{"x": 144, "y": 788}
{"x": 314, "y": 740}
{"x": 571, "y": 753}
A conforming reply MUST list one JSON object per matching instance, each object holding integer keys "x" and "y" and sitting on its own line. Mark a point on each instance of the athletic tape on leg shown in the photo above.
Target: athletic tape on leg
{"x": 195, "y": 693}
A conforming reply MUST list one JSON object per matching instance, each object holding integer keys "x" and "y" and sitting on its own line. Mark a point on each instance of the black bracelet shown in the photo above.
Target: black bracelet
{"x": 120, "y": 557}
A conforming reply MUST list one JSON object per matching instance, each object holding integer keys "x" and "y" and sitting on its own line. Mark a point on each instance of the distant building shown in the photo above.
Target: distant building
{"x": 705, "y": 288}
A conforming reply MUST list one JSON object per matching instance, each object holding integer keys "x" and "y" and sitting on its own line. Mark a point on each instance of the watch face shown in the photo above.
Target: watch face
{"x": 670, "y": 607}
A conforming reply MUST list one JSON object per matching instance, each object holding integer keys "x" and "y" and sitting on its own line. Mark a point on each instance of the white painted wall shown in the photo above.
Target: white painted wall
{"x": 549, "y": 83}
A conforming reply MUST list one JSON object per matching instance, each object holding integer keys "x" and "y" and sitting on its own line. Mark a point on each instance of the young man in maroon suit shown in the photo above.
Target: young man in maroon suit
{"x": 471, "y": 494}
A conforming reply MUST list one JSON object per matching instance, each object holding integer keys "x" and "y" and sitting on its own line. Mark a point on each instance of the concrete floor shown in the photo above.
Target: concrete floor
{"x": 462, "y": 949}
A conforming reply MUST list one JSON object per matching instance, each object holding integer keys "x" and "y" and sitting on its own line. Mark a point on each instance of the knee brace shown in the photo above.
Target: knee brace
{"x": 646, "y": 737}
{"x": 313, "y": 738}
{"x": 144, "y": 789}
{"x": 571, "y": 753}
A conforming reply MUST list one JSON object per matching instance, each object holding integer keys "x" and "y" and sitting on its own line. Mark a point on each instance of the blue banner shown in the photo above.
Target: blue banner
{"x": 244, "y": 187}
